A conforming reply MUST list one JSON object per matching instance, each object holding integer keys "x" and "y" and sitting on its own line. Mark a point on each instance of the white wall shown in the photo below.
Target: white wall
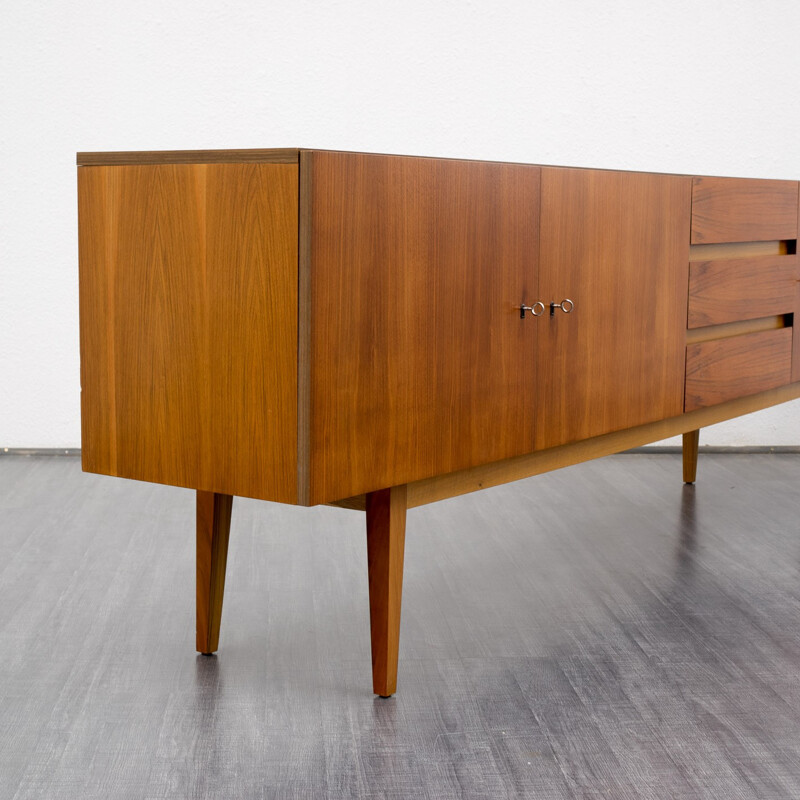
{"x": 680, "y": 86}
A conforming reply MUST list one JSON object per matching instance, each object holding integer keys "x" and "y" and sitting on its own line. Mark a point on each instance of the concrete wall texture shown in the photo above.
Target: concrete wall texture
{"x": 684, "y": 86}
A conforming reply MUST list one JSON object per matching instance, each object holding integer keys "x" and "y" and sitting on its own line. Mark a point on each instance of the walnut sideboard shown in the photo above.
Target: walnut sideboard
{"x": 379, "y": 332}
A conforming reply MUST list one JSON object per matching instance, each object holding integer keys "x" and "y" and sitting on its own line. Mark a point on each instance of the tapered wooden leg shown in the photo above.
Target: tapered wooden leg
{"x": 213, "y": 530}
{"x": 691, "y": 440}
{"x": 386, "y": 535}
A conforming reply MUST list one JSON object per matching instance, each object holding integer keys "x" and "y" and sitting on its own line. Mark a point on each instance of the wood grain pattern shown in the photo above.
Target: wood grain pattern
{"x": 420, "y": 363}
{"x": 97, "y": 312}
{"x": 442, "y": 487}
{"x": 744, "y": 288}
{"x": 188, "y": 283}
{"x": 255, "y": 156}
{"x": 617, "y": 245}
{"x": 723, "y": 369}
{"x": 691, "y": 443}
{"x": 386, "y": 532}
{"x": 213, "y": 532}
{"x": 743, "y": 210}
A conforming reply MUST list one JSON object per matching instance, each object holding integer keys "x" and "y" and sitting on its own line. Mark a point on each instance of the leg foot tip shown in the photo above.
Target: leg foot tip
{"x": 207, "y": 654}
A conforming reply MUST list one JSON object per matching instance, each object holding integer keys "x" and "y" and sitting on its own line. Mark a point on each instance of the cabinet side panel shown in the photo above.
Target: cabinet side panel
{"x": 617, "y": 244}
{"x": 189, "y": 325}
{"x": 96, "y": 296}
{"x": 252, "y": 290}
{"x": 420, "y": 363}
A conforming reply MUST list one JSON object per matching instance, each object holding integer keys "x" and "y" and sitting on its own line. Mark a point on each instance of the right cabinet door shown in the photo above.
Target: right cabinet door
{"x": 617, "y": 245}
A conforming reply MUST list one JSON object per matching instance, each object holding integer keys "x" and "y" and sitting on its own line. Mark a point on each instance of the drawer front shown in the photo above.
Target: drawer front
{"x": 742, "y": 210}
{"x": 740, "y": 289}
{"x": 724, "y": 369}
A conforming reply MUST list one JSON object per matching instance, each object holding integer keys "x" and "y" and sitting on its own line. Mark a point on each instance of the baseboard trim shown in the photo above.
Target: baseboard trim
{"x": 40, "y": 451}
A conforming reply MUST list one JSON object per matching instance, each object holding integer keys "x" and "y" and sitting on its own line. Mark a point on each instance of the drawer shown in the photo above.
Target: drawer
{"x": 739, "y": 289}
{"x": 724, "y": 369}
{"x": 742, "y": 210}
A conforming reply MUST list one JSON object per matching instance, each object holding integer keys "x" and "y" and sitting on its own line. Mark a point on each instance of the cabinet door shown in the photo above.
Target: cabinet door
{"x": 419, "y": 362}
{"x": 617, "y": 245}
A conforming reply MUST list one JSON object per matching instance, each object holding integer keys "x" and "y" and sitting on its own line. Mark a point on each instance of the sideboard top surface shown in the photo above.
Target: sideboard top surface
{"x": 291, "y": 155}
{"x": 275, "y": 155}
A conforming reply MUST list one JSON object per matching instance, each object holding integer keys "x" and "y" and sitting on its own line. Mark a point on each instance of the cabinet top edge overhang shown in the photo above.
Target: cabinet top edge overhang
{"x": 291, "y": 155}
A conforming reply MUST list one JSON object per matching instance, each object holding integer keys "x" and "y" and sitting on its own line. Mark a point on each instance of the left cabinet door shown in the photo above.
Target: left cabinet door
{"x": 419, "y": 362}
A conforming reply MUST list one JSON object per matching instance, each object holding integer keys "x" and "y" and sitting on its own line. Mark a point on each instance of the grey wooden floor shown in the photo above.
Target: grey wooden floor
{"x": 601, "y": 631}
